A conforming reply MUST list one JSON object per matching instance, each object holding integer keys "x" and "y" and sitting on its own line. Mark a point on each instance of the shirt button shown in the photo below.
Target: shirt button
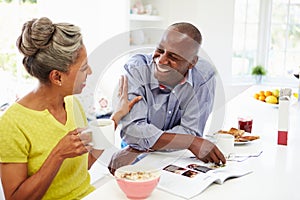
{"x": 170, "y": 112}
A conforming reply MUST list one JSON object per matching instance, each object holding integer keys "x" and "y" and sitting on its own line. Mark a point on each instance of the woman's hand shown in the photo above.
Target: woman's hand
{"x": 74, "y": 144}
{"x": 123, "y": 105}
{"x": 18, "y": 185}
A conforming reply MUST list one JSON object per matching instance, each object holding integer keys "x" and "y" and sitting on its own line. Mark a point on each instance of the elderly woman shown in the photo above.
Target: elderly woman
{"x": 43, "y": 154}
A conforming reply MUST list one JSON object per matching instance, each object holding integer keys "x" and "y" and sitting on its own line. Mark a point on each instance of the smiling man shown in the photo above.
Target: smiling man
{"x": 178, "y": 90}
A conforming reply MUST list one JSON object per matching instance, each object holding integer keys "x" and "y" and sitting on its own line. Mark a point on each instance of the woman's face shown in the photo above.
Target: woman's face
{"x": 75, "y": 78}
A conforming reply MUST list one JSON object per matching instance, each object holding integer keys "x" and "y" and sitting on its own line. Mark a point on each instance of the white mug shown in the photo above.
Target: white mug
{"x": 225, "y": 143}
{"x": 102, "y": 133}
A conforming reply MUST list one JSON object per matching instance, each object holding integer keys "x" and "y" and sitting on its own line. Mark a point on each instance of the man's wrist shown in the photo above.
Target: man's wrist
{"x": 193, "y": 143}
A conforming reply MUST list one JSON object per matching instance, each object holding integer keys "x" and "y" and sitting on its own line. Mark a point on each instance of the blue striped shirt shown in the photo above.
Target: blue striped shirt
{"x": 182, "y": 110}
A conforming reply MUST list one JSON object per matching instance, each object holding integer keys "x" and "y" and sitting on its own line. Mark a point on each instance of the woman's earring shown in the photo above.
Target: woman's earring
{"x": 59, "y": 83}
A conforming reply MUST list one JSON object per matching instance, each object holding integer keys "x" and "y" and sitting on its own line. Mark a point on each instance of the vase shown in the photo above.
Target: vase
{"x": 258, "y": 79}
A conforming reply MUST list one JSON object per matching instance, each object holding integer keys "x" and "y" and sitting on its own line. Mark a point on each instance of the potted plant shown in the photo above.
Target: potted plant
{"x": 258, "y": 72}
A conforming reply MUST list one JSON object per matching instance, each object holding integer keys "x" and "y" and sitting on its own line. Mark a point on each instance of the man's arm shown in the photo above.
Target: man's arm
{"x": 201, "y": 148}
{"x": 137, "y": 129}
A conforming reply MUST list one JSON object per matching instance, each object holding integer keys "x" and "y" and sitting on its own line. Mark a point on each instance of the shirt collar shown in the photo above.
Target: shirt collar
{"x": 189, "y": 77}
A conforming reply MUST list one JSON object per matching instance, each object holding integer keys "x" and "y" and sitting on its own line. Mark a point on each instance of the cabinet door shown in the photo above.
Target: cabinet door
{"x": 146, "y": 22}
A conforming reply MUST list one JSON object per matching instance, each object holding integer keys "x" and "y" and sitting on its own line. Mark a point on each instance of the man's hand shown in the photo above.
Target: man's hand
{"x": 206, "y": 151}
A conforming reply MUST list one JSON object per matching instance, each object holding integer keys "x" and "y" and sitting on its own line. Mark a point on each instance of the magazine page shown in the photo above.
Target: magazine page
{"x": 187, "y": 177}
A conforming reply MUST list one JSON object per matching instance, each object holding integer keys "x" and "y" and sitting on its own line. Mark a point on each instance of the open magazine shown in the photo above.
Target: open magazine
{"x": 187, "y": 177}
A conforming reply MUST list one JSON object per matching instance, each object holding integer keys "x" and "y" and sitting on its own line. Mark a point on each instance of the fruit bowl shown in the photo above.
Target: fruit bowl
{"x": 268, "y": 97}
{"x": 268, "y": 104}
{"x": 137, "y": 182}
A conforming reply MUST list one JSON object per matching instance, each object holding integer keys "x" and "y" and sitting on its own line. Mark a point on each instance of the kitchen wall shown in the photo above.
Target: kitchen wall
{"x": 101, "y": 20}
{"x": 215, "y": 20}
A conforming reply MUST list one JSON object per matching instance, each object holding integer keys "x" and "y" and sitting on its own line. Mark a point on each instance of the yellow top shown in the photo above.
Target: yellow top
{"x": 28, "y": 136}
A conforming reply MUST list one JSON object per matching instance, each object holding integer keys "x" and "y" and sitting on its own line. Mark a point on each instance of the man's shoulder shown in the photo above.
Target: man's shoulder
{"x": 139, "y": 67}
{"x": 139, "y": 61}
{"x": 205, "y": 66}
{"x": 203, "y": 71}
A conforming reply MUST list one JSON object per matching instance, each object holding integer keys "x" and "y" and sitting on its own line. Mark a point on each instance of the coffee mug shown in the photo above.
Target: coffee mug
{"x": 225, "y": 143}
{"x": 102, "y": 132}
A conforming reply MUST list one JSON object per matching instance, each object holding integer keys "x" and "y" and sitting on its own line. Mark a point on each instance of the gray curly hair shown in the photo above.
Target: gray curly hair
{"x": 47, "y": 46}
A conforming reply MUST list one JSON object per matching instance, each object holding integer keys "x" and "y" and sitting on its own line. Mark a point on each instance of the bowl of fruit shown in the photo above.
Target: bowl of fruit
{"x": 269, "y": 97}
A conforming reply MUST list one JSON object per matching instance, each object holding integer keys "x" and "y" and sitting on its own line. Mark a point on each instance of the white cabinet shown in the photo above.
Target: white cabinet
{"x": 147, "y": 19}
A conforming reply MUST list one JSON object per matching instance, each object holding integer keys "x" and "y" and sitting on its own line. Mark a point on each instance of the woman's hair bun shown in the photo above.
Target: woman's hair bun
{"x": 36, "y": 35}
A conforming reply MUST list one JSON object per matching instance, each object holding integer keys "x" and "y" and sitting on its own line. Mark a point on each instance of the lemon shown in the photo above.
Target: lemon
{"x": 275, "y": 92}
{"x": 296, "y": 95}
{"x": 271, "y": 99}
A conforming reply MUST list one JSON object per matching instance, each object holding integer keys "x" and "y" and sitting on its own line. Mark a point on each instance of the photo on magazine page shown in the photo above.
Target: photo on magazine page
{"x": 191, "y": 170}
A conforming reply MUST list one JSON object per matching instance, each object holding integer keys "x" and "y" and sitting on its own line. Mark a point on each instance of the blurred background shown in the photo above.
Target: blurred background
{"x": 237, "y": 35}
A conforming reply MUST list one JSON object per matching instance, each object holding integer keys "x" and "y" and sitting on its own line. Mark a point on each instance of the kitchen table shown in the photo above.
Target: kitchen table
{"x": 275, "y": 172}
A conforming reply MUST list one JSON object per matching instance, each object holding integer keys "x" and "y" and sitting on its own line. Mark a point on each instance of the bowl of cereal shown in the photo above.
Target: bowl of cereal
{"x": 137, "y": 182}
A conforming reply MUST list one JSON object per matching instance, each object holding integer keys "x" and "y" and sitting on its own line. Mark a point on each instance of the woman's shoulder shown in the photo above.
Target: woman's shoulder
{"x": 11, "y": 113}
{"x": 29, "y": 101}
{"x": 20, "y": 111}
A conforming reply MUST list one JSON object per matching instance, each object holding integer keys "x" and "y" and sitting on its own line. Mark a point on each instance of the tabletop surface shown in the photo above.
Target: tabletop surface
{"x": 275, "y": 171}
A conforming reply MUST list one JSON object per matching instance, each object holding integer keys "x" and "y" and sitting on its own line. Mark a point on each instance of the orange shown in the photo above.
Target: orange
{"x": 262, "y": 93}
{"x": 256, "y": 95}
{"x": 262, "y": 97}
{"x": 268, "y": 93}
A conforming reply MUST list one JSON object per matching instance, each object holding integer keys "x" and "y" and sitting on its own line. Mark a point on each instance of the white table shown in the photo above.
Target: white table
{"x": 275, "y": 172}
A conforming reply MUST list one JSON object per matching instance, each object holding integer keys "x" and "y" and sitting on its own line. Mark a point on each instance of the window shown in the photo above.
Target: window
{"x": 13, "y": 78}
{"x": 284, "y": 49}
{"x": 13, "y": 13}
{"x": 266, "y": 32}
{"x": 245, "y": 36}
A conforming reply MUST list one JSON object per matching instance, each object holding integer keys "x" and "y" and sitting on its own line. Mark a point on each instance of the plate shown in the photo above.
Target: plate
{"x": 246, "y": 141}
{"x": 242, "y": 143}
